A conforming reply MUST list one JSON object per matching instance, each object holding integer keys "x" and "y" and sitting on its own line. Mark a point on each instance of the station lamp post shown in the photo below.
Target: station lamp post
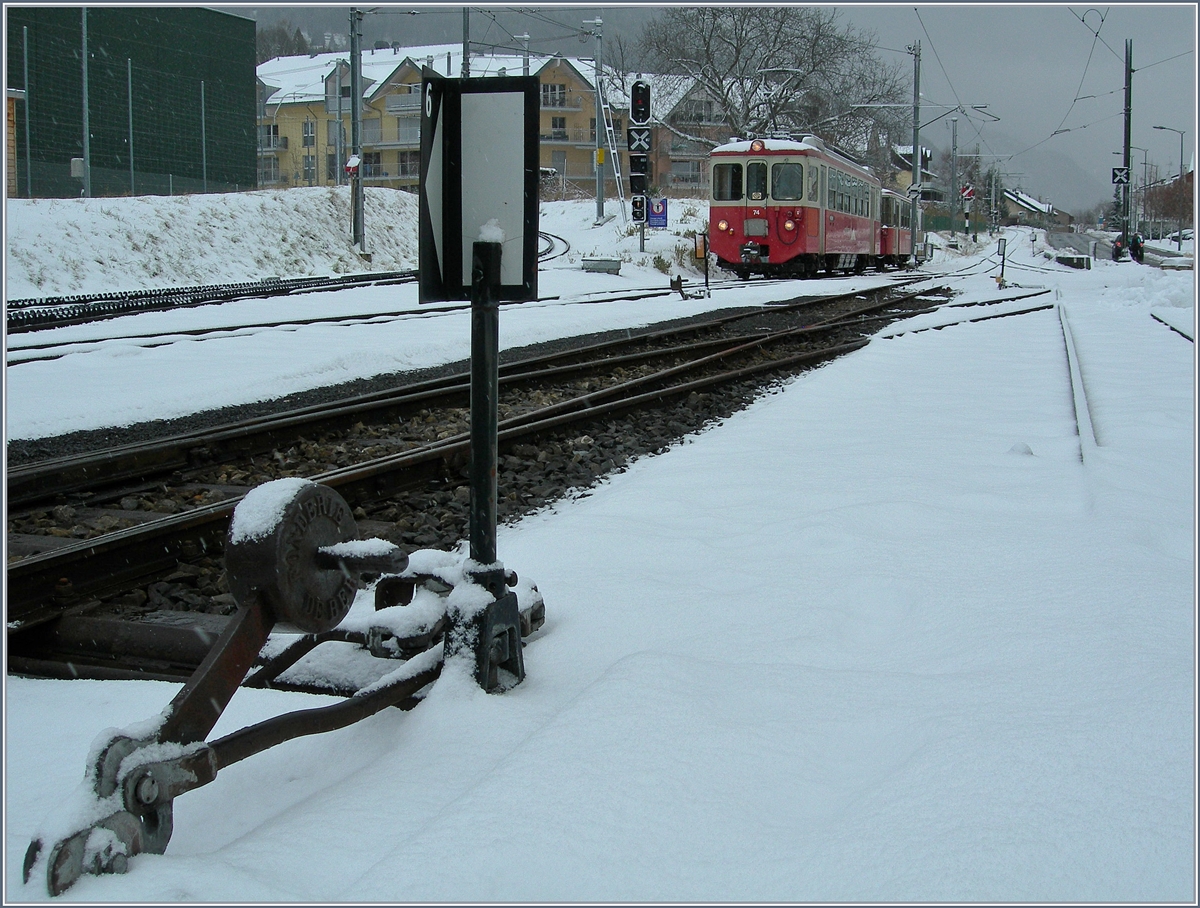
{"x": 1179, "y": 235}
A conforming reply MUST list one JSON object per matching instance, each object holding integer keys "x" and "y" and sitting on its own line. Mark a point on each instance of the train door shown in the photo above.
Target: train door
{"x": 824, "y": 208}
{"x": 812, "y": 216}
{"x": 756, "y": 201}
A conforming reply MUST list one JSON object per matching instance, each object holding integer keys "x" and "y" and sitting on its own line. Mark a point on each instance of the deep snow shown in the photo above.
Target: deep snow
{"x": 898, "y": 632}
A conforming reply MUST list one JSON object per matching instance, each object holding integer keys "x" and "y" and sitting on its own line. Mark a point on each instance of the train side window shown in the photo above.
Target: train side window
{"x": 727, "y": 182}
{"x": 756, "y": 180}
{"x": 813, "y": 177}
{"x": 787, "y": 182}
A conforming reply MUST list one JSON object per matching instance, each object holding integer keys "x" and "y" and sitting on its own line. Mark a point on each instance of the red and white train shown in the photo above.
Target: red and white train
{"x": 785, "y": 207}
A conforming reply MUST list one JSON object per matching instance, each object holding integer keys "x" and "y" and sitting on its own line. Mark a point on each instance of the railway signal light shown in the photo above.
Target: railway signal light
{"x": 639, "y": 165}
{"x": 638, "y": 203}
{"x": 639, "y": 107}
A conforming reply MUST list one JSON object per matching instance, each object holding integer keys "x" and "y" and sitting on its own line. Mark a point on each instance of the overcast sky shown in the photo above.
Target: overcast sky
{"x": 1038, "y": 67}
{"x": 1035, "y": 66}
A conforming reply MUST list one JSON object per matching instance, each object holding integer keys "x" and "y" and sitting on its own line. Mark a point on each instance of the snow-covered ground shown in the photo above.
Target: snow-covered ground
{"x": 898, "y": 632}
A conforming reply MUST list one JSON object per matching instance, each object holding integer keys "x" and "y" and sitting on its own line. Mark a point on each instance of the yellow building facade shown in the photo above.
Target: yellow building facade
{"x": 304, "y": 139}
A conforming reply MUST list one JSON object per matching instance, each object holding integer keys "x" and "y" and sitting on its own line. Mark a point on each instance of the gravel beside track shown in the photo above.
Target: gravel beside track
{"x": 22, "y": 451}
{"x": 533, "y": 473}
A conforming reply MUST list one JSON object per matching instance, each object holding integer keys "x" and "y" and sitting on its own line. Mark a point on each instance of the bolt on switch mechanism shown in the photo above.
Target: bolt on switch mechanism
{"x": 292, "y": 559}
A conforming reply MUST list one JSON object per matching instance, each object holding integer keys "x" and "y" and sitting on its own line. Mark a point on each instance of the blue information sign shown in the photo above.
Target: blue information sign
{"x": 657, "y": 215}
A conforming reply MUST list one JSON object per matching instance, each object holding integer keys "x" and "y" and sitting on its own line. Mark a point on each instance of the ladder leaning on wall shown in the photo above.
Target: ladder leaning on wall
{"x": 612, "y": 150}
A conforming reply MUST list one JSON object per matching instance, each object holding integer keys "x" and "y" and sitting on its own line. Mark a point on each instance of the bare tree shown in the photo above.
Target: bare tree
{"x": 280, "y": 40}
{"x": 782, "y": 69}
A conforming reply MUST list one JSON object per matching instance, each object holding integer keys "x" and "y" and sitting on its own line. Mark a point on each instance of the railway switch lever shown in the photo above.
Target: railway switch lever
{"x": 292, "y": 559}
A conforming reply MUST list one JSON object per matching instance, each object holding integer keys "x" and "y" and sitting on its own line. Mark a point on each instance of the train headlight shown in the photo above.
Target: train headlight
{"x": 722, "y": 225}
{"x": 757, "y": 146}
{"x": 789, "y": 225}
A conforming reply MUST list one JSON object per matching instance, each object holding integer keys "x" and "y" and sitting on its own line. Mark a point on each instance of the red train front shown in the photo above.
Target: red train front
{"x": 787, "y": 207}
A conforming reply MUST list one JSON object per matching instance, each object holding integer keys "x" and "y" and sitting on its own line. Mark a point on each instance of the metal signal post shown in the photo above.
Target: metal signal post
{"x": 638, "y": 140}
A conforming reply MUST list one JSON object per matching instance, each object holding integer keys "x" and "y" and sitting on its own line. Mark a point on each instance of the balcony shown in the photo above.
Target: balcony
{"x": 579, "y": 135}
{"x": 405, "y": 138}
{"x": 565, "y": 103}
{"x": 403, "y": 103}
{"x": 269, "y": 144}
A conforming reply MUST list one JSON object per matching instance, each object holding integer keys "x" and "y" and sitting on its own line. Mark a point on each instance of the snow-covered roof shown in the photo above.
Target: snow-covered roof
{"x": 808, "y": 143}
{"x": 301, "y": 79}
{"x": 1027, "y": 201}
{"x": 743, "y": 147}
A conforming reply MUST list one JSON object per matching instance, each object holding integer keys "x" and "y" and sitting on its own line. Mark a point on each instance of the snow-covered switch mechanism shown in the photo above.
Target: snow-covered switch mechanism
{"x": 293, "y": 558}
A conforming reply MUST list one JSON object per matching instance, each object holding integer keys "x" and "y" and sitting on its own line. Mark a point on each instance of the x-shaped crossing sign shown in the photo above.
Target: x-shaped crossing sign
{"x": 638, "y": 139}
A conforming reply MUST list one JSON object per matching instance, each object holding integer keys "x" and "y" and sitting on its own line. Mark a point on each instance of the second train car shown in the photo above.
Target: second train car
{"x": 786, "y": 207}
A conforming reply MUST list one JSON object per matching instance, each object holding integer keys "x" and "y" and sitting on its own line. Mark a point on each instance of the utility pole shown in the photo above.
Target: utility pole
{"x": 1128, "y": 123}
{"x": 356, "y": 180}
{"x": 340, "y": 142}
{"x": 129, "y": 96}
{"x": 525, "y": 64}
{"x": 1179, "y": 186}
{"x": 466, "y": 63}
{"x": 87, "y": 139}
{"x": 599, "y": 121}
{"x": 203, "y": 143}
{"x": 915, "y": 50}
{"x": 28, "y": 159}
{"x": 955, "y": 197}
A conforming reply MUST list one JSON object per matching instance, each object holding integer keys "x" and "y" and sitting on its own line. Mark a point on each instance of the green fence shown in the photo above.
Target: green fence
{"x": 940, "y": 223}
{"x": 170, "y": 90}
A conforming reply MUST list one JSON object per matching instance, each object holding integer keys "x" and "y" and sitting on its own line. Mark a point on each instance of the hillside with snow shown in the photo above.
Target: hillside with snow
{"x": 62, "y": 246}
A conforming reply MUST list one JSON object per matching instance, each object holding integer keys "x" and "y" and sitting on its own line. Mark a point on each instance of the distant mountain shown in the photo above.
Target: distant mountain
{"x": 1050, "y": 176}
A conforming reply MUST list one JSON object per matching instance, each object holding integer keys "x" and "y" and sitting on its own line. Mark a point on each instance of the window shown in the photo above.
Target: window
{"x": 787, "y": 182}
{"x": 727, "y": 182}
{"x": 372, "y": 131}
{"x": 554, "y": 96}
{"x": 372, "y": 165}
{"x": 558, "y": 128}
{"x": 331, "y": 168}
{"x": 410, "y": 163}
{"x": 696, "y": 111}
{"x": 310, "y": 134}
{"x": 268, "y": 170}
{"x": 812, "y": 185}
{"x": 333, "y": 130}
{"x": 310, "y": 168}
{"x": 685, "y": 173}
{"x": 268, "y": 136}
{"x": 408, "y": 130}
{"x": 756, "y": 180}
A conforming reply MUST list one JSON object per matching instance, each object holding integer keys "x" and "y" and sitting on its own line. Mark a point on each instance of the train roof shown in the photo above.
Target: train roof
{"x": 786, "y": 145}
{"x": 809, "y": 143}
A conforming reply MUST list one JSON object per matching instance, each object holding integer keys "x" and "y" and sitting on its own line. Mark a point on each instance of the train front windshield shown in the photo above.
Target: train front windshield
{"x": 727, "y": 182}
{"x": 787, "y": 182}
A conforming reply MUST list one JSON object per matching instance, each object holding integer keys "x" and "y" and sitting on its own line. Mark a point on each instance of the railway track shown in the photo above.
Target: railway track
{"x": 115, "y": 558}
{"x": 40, "y": 313}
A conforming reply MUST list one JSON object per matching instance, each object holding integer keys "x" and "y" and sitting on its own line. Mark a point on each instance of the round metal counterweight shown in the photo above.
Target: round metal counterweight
{"x": 281, "y": 565}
